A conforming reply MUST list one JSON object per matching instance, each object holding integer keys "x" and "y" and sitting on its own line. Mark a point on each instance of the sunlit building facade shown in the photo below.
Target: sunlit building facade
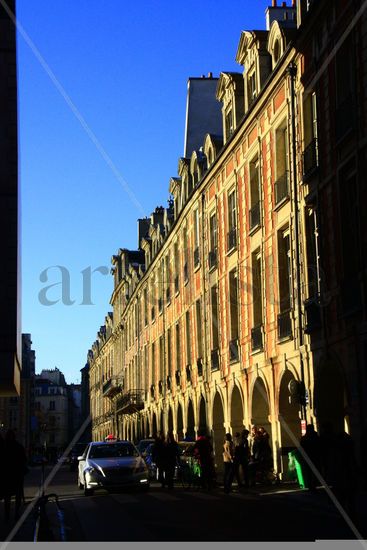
{"x": 224, "y": 316}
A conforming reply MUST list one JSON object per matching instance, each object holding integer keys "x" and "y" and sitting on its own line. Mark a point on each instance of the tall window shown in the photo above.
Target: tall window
{"x": 186, "y": 256}
{"x": 178, "y": 347}
{"x": 311, "y": 251}
{"x": 254, "y": 193}
{"x": 345, "y": 115}
{"x": 251, "y": 87}
{"x": 229, "y": 124}
{"x": 310, "y": 153}
{"x": 167, "y": 278}
{"x": 232, "y": 220}
{"x": 145, "y": 305}
{"x": 233, "y": 304}
{"x": 256, "y": 289}
{"x": 285, "y": 271}
{"x": 196, "y": 237}
{"x": 213, "y": 240}
{"x": 199, "y": 330}
{"x": 214, "y": 316}
{"x": 169, "y": 350}
{"x": 176, "y": 258}
{"x": 161, "y": 358}
{"x": 188, "y": 338}
{"x": 282, "y": 164}
{"x": 349, "y": 210}
{"x": 153, "y": 364}
{"x": 146, "y": 366}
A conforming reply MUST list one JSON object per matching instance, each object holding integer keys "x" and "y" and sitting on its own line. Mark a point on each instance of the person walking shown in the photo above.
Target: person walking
{"x": 203, "y": 452}
{"x": 310, "y": 443}
{"x": 228, "y": 459}
{"x": 158, "y": 457}
{"x": 170, "y": 457}
{"x": 15, "y": 468}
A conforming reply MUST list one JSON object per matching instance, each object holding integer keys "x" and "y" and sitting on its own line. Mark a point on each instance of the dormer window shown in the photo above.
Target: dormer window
{"x": 229, "y": 124}
{"x": 276, "y": 54}
{"x": 251, "y": 86}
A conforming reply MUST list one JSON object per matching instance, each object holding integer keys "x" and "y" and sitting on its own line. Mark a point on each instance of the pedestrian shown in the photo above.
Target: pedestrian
{"x": 170, "y": 458}
{"x": 203, "y": 452}
{"x": 241, "y": 458}
{"x": 228, "y": 459}
{"x": 158, "y": 457}
{"x": 15, "y": 468}
{"x": 310, "y": 443}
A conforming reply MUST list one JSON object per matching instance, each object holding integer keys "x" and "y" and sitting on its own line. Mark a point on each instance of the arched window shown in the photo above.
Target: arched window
{"x": 276, "y": 54}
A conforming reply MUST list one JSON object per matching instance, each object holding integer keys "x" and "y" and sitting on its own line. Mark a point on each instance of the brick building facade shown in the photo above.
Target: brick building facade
{"x": 244, "y": 303}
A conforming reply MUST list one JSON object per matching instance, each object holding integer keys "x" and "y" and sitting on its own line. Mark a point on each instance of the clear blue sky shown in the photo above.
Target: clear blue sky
{"x": 125, "y": 66}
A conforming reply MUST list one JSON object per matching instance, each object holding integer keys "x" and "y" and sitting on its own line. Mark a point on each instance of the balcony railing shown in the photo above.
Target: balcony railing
{"x": 111, "y": 387}
{"x": 257, "y": 338}
{"x": 177, "y": 284}
{"x": 196, "y": 256}
{"x": 199, "y": 365}
{"x": 214, "y": 357}
{"x": 254, "y": 214}
{"x": 313, "y": 315}
{"x": 345, "y": 117}
{"x": 131, "y": 402}
{"x": 281, "y": 188}
{"x": 186, "y": 272}
{"x": 233, "y": 350}
{"x": 310, "y": 159}
{"x": 232, "y": 239}
{"x": 284, "y": 325}
{"x": 212, "y": 259}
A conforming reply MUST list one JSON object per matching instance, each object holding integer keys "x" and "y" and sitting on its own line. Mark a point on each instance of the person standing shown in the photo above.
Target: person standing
{"x": 228, "y": 459}
{"x": 203, "y": 452}
{"x": 310, "y": 443}
{"x": 158, "y": 457}
{"x": 15, "y": 467}
{"x": 241, "y": 457}
{"x": 170, "y": 457}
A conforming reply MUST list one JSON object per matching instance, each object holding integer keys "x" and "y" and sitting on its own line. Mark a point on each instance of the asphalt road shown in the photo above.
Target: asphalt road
{"x": 281, "y": 513}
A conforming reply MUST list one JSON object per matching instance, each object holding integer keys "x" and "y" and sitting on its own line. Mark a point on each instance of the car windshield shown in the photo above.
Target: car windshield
{"x": 112, "y": 450}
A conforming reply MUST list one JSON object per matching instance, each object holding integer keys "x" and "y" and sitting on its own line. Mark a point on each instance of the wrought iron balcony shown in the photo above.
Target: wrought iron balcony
{"x": 257, "y": 338}
{"x": 254, "y": 214}
{"x": 213, "y": 259}
{"x": 111, "y": 387}
{"x": 131, "y": 402}
{"x": 310, "y": 159}
{"x": 199, "y": 365}
{"x": 285, "y": 325}
{"x": 197, "y": 257}
{"x": 233, "y": 350}
{"x": 232, "y": 239}
{"x": 214, "y": 358}
{"x": 281, "y": 188}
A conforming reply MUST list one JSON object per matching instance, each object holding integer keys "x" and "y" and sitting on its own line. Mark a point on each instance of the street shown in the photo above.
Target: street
{"x": 277, "y": 513}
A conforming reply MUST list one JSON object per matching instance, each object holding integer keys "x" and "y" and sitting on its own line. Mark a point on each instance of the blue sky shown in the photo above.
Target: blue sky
{"x": 125, "y": 66}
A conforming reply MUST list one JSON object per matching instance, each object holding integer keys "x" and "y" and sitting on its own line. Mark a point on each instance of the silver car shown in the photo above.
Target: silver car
{"x": 111, "y": 465}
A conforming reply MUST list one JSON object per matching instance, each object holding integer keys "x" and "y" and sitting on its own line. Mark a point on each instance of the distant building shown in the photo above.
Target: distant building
{"x": 75, "y": 409}
{"x": 85, "y": 401}
{"x": 10, "y": 345}
{"x": 51, "y": 411}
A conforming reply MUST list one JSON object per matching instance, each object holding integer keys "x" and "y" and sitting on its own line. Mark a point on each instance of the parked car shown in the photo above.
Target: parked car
{"x": 111, "y": 465}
